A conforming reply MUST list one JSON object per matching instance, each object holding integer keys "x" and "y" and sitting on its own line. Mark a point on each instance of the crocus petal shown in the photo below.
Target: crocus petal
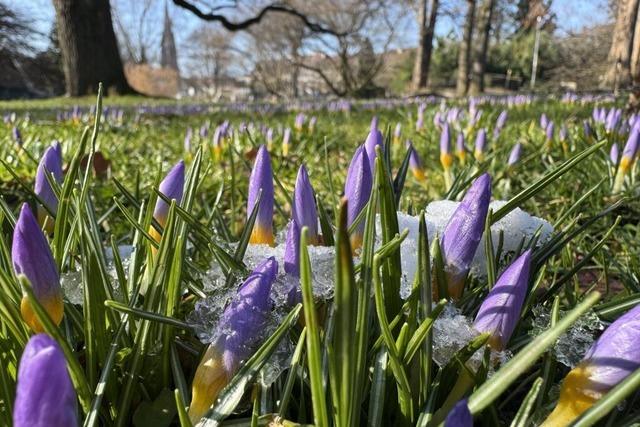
{"x": 481, "y": 142}
{"x": 514, "y": 156}
{"x": 240, "y": 330}
{"x": 304, "y": 205}
{"x": 45, "y": 396}
{"x": 445, "y": 147}
{"x": 460, "y": 416}
{"x": 614, "y": 153}
{"x": 261, "y": 179}
{"x": 461, "y": 150}
{"x": 51, "y": 163}
{"x": 32, "y": 257}
{"x": 171, "y": 187}
{"x": 630, "y": 149}
{"x": 614, "y": 356}
{"x": 357, "y": 190}
{"x": 500, "y": 311}
{"x": 415, "y": 164}
{"x": 374, "y": 139}
{"x": 463, "y": 232}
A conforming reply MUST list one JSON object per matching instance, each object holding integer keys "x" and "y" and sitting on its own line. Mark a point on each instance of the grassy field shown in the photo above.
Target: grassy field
{"x": 130, "y": 343}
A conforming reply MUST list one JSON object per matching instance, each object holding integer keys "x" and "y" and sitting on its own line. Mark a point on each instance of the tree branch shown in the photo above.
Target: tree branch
{"x": 243, "y": 25}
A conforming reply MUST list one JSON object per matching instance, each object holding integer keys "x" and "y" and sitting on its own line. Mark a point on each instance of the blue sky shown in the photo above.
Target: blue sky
{"x": 572, "y": 15}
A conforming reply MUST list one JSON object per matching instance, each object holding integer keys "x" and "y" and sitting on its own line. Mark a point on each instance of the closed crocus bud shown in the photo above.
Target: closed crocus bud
{"x": 614, "y": 153}
{"x": 171, "y": 187}
{"x": 312, "y": 123}
{"x": 374, "y": 139}
{"x": 500, "y": 122}
{"x": 544, "y": 121}
{"x": 415, "y": 164}
{"x": 261, "y": 179}
{"x": 50, "y": 164}
{"x": 420, "y": 119}
{"x": 463, "y": 232}
{"x": 630, "y": 149}
{"x": 304, "y": 205}
{"x": 461, "y": 150}
{"x": 218, "y": 135}
{"x": 397, "y": 133}
{"x": 45, "y": 396}
{"x": 500, "y": 311}
{"x": 481, "y": 145}
{"x": 446, "y": 159}
{"x": 286, "y": 140}
{"x": 374, "y": 123}
{"x": 614, "y": 356}
{"x": 549, "y": 131}
{"x": 357, "y": 190}
{"x": 239, "y": 331}
{"x": 31, "y": 257}
{"x": 514, "y": 156}
{"x": 562, "y": 135}
{"x": 460, "y": 416}
{"x": 299, "y": 122}
{"x": 269, "y": 137}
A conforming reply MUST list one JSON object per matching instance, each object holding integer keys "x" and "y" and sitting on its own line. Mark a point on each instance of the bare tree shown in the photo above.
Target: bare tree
{"x": 425, "y": 45}
{"x": 209, "y": 57}
{"x": 481, "y": 46}
{"x": 89, "y": 48}
{"x": 138, "y": 37}
{"x": 462, "y": 83}
{"x": 619, "y": 72}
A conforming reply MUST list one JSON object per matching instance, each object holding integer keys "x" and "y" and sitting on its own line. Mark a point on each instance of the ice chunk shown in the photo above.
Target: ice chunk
{"x": 573, "y": 344}
{"x": 451, "y": 331}
{"x": 71, "y": 283}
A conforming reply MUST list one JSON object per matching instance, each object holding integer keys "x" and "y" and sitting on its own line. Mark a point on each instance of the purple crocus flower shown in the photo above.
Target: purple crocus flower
{"x": 299, "y": 122}
{"x": 463, "y": 232}
{"x": 562, "y": 134}
{"x": 262, "y": 179}
{"x": 500, "y": 122}
{"x": 45, "y": 396}
{"x": 50, "y": 163}
{"x": 415, "y": 163}
{"x": 461, "y": 149}
{"x": 613, "y": 119}
{"x": 374, "y": 123}
{"x": 357, "y": 190}
{"x": 269, "y": 136}
{"x": 171, "y": 187}
{"x": 286, "y": 139}
{"x": 420, "y": 119}
{"x": 312, "y": 123}
{"x": 292, "y": 262}
{"x": 614, "y": 356}
{"x": 549, "y": 131}
{"x": 514, "y": 156}
{"x": 481, "y": 144}
{"x": 614, "y": 153}
{"x": 446, "y": 159}
{"x": 238, "y": 333}
{"x": 304, "y": 205}
{"x": 204, "y": 130}
{"x": 460, "y": 416}
{"x": 630, "y": 149}
{"x": 218, "y": 135}
{"x": 544, "y": 121}
{"x": 374, "y": 139}
{"x": 31, "y": 257}
{"x": 500, "y": 311}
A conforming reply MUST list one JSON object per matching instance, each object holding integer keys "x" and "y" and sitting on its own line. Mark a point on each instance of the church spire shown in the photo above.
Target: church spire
{"x": 168, "y": 56}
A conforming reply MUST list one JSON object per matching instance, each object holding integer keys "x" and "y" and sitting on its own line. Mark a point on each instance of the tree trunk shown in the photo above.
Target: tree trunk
{"x": 462, "y": 84}
{"x": 619, "y": 71}
{"x": 425, "y": 46}
{"x": 89, "y": 48}
{"x": 481, "y": 47}
{"x": 634, "y": 95}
